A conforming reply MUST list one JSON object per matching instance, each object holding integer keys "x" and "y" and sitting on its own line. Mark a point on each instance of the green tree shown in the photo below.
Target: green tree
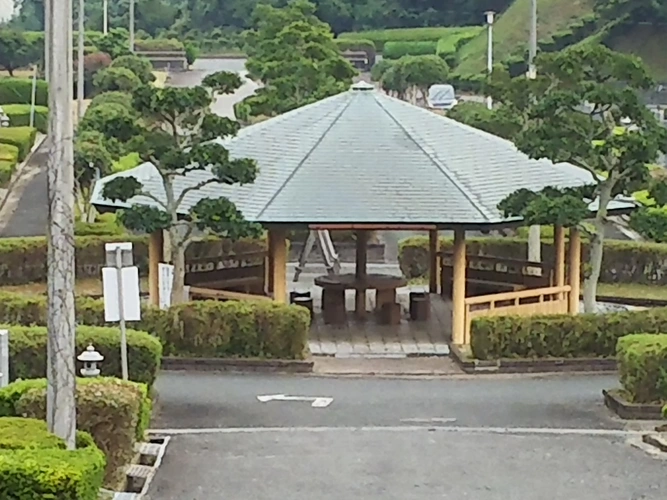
{"x": 116, "y": 79}
{"x": 91, "y": 161}
{"x": 501, "y": 121}
{"x": 16, "y": 51}
{"x": 140, "y": 66}
{"x": 411, "y": 76}
{"x": 293, "y": 54}
{"x": 176, "y": 134}
{"x": 583, "y": 109}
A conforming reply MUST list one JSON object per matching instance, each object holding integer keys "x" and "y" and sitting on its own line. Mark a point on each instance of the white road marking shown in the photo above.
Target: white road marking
{"x": 317, "y": 402}
{"x": 428, "y": 420}
{"x": 537, "y": 431}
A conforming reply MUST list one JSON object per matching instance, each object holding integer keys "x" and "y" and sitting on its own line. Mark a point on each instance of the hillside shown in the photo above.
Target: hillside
{"x": 649, "y": 43}
{"x": 512, "y": 30}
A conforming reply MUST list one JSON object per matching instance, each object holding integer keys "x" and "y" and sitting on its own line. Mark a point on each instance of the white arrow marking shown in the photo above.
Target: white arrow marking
{"x": 317, "y": 402}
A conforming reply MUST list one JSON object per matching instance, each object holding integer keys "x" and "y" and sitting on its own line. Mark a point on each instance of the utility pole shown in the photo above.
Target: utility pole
{"x": 532, "y": 49}
{"x": 61, "y": 375}
{"x": 105, "y": 16}
{"x": 47, "y": 36}
{"x": 490, "y": 15}
{"x": 131, "y": 25}
{"x": 80, "y": 74}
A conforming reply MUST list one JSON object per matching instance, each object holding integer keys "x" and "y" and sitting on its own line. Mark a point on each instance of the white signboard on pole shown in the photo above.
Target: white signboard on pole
{"x": 130, "y": 294}
{"x": 165, "y": 283}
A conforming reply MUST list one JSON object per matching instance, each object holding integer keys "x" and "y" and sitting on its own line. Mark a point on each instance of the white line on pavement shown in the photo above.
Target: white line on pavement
{"x": 545, "y": 431}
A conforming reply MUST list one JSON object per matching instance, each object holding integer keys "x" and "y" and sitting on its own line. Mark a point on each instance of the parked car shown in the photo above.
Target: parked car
{"x": 441, "y": 96}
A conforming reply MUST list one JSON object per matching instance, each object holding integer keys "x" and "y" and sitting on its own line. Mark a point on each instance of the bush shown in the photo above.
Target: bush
{"x": 380, "y": 37}
{"x": 116, "y": 79}
{"x": 560, "y": 336}
{"x": 35, "y": 464}
{"x": 27, "y": 344}
{"x": 19, "y": 91}
{"x": 140, "y": 66}
{"x": 127, "y": 162}
{"x": 115, "y": 413}
{"x": 9, "y": 153}
{"x": 355, "y": 44}
{"x": 396, "y": 50}
{"x": 191, "y": 53}
{"x": 104, "y": 225}
{"x": 19, "y": 116}
{"x": 158, "y": 45}
{"x": 114, "y": 97}
{"x": 642, "y": 365}
{"x": 21, "y": 137}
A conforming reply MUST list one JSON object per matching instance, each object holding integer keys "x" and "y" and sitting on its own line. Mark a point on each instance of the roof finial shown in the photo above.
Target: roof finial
{"x": 362, "y": 86}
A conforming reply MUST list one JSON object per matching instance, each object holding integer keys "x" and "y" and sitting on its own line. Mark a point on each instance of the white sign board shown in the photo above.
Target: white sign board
{"x": 131, "y": 300}
{"x": 111, "y": 247}
{"x": 165, "y": 282}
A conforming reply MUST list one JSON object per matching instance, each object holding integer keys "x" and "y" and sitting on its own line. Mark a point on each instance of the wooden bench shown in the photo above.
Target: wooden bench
{"x": 243, "y": 273}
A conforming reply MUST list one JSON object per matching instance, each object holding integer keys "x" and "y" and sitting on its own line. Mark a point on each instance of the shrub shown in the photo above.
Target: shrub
{"x": 119, "y": 79}
{"x": 642, "y": 365}
{"x": 355, "y": 44}
{"x": 9, "y": 153}
{"x": 114, "y": 121}
{"x": 27, "y": 344}
{"x": 560, "y": 336}
{"x": 104, "y": 225}
{"x": 35, "y": 464}
{"x": 19, "y": 116}
{"x": 396, "y": 50}
{"x": 114, "y": 97}
{"x": 448, "y": 46}
{"x": 113, "y": 411}
{"x": 138, "y": 65}
{"x": 7, "y": 169}
{"x": 127, "y": 162}
{"x": 191, "y": 53}
{"x": 159, "y": 45}
{"x": 380, "y": 37}
{"x": 21, "y": 137}
{"x": 19, "y": 91}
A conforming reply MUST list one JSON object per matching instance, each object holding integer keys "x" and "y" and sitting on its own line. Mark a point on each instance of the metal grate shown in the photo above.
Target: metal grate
{"x": 139, "y": 471}
{"x": 150, "y": 449}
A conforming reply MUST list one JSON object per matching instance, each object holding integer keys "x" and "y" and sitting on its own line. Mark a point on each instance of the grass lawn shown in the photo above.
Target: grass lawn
{"x": 19, "y": 73}
{"x": 633, "y": 290}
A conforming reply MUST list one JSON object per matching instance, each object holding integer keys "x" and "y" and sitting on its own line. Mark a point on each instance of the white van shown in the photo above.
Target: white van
{"x": 441, "y": 96}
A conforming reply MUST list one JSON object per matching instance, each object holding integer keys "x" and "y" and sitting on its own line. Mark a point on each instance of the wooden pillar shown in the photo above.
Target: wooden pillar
{"x": 155, "y": 256}
{"x": 559, "y": 247}
{"x": 268, "y": 266}
{"x": 574, "y": 266}
{"x": 459, "y": 289}
{"x": 360, "y": 272}
{"x": 434, "y": 268}
{"x": 278, "y": 264}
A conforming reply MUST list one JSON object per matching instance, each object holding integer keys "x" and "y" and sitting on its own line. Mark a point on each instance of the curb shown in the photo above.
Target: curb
{"x": 547, "y": 365}
{"x": 631, "y": 411}
{"x": 655, "y": 440}
{"x": 237, "y": 365}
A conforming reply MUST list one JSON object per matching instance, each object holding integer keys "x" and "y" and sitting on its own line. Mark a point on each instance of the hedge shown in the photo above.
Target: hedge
{"x": 21, "y": 137}
{"x": 642, "y": 366}
{"x": 396, "y": 50}
{"x": 27, "y": 344}
{"x": 158, "y": 45}
{"x": 623, "y": 261}
{"x": 116, "y": 413}
{"x": 19, "y": 116}
{"x": 9, "y": 156}
{"x": 355, "y": 44}
{"x": 198, "y": 329}
{"x": 560, "y": 336}
{"x": 380, "y": 37}
{"x": 19, "y": 91}
{"x": 35, "y": 464}
{"x": 448, "y": 46}
{"x": 23, "y": 260}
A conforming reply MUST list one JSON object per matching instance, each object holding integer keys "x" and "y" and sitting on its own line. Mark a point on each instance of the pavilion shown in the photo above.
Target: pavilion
{"x": 364, "y": 161}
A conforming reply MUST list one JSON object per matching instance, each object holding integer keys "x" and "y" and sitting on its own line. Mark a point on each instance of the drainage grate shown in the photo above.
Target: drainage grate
{"x": 150, "y": 449}
{"x": 139, "y": 471}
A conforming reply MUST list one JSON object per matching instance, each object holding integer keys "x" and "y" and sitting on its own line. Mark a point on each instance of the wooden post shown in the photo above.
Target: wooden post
{"x": 574, "y": 265}
{"x": 559, "y": 246}
{"x": 269, "y": 266}
{"x": 155, "y": 251}
{"x": 360, "y": 272}
{"x": 459, "y": 288}
{"x": 278, "y": 259}
{"x": 434, "y": 268}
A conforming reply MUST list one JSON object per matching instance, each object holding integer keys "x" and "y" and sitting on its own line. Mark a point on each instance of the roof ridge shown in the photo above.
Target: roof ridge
{"x": 307, "y": 155}
{"x": 439, "y": 164}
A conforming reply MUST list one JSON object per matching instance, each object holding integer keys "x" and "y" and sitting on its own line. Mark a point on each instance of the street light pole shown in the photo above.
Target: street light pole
{"x": 80, "y": 74}
{"x": 532, "y": 49}
{"x": 105, "y": 16}
{"x": 61, "y": 375}
{"x": 490, "y": 15}
{"x": 131, "y": 25}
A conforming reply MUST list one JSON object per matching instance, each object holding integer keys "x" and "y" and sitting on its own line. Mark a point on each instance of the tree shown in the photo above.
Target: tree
{"x": 140, "y": 66}
{"x": 583, "y": 109}
{"x": 294, "y": 55}
{"x": 116, "y": 79}
{"x": 91, "y": 161}
{"x": 500, "y": 121}
{"x": 176, "y": 134}
{"x": 414, "y": 75}
{"x": 16, "y": 51}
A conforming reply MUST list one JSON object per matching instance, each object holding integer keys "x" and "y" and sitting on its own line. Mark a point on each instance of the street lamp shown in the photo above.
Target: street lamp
{"x": 490, "y": 15}
{"x": 90, "y": 357}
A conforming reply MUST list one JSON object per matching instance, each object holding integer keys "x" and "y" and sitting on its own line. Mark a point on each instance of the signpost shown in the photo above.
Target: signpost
{"x": 317, "y": 402}
{"x": 165, "y": 284}
{"x": 120, "y": 281}
{"x": 4, "y": 358}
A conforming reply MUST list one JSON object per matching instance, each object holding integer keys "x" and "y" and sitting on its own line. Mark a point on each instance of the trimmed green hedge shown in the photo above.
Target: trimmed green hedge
{"x": 380, "y": 37}
{"x": 355, "y": 44}
{"x": 116, "y": 413}
{"x": 396, "y": 50}
{"x": 21, "y": 137}
{"x": 19, "y": 116}
{"x": 642, "y": 365}
{"x": 27, "y": 344}
{"x": 560, "y": 336}
{"x": 622, "y": 262}
{"x": 35, "y": 464}
{"x": 158, "y": 45}
{"x": 9, "y": 157}
{"x": 19, "y": 91}
{"x": 199, "y": 329}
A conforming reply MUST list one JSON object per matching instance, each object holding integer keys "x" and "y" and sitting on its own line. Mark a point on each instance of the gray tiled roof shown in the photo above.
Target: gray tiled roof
{"x": 364, "y": 157}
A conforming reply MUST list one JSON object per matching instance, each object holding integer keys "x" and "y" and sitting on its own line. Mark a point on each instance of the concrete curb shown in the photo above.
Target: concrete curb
{"x": 631, "y": 411}
{"x": 546, "y": 365}
{"x": 237, "y": 365}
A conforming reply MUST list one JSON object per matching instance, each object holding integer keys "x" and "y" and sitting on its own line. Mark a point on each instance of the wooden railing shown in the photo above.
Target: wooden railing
{"x": 207, "y": 293}
{"x": 553, "y": 300}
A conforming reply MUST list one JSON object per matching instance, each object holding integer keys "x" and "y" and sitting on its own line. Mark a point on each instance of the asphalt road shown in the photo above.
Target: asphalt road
{"x": 512, "y": 438}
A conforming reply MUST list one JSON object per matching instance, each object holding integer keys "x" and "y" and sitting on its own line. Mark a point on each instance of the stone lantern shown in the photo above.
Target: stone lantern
{"x": 90, "y": 357}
